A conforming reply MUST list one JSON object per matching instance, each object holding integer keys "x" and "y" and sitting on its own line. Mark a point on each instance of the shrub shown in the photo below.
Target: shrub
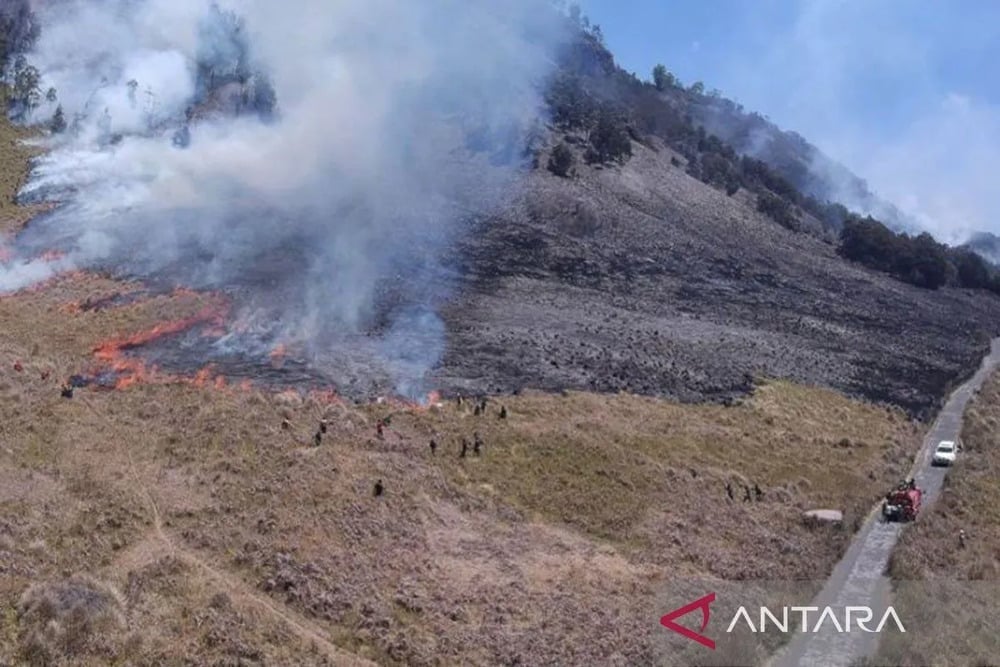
{"x": 609, "y": 140}
{"x": 561, "y": 160}
{"x": 972, "y": 270}
{"x": 919, "y": 260}
{"x": 778, "y": 210}
{"x": 58, "y": 122}
{"x": 70, "y": 619}
{"x": 571, "y": 106}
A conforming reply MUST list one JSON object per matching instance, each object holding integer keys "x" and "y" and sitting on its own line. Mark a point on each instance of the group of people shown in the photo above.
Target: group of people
{"x": 479, "y": 408}
{"x": 477, "y": 445}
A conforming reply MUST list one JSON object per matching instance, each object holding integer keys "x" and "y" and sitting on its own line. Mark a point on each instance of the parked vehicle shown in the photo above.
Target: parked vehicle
{"x": 945, "y": 453}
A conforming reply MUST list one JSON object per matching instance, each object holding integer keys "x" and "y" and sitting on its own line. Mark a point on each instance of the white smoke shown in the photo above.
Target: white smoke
{"x": 355, "y": 180}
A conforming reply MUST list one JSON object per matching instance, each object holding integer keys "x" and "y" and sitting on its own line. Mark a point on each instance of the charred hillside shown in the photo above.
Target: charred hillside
{"x": 639, "y": 277}
{"x": 648, "y": 255}
{"x": 641, "y": 247}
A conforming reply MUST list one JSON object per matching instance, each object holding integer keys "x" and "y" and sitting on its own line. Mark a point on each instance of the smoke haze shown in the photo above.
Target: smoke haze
{"x": 331, "y": 207}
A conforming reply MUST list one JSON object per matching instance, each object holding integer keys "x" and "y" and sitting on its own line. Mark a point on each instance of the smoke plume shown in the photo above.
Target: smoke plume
{"x": 313, "y": 157}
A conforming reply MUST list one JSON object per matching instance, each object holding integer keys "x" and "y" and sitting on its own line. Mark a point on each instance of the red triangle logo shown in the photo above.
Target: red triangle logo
{"x": 702, "y": 603}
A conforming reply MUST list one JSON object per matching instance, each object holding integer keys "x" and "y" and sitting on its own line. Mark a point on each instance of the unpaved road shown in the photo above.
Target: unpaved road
{"x": 859, "y": 579}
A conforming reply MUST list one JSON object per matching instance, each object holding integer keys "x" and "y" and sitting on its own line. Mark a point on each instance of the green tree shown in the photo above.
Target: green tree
{"x": 25, "y": 93}
{"x": 609, "y": 140}
{"x": 662, "y": 78}
{"x": 58, "y": 122}
{"x": 50, "y": 95}
{"x": 698, "y": 88}
{"x": 778, "y": 210}
{"x": 972, "y": 270}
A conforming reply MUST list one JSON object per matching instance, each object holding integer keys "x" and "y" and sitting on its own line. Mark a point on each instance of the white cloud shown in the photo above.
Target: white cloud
{"x": 862, "y": 81}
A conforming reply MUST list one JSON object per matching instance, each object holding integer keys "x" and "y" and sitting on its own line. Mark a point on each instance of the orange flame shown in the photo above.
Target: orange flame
{"x": 132, "y": 370}
{"x": 328, "y": 396}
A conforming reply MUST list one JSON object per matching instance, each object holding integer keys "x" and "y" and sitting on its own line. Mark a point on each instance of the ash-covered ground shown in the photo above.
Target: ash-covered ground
{"x": 641, "y": 278}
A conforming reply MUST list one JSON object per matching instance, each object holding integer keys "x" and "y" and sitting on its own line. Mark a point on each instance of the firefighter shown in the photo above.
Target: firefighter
{"x": 729, "y": 490}
{"x": 465, "y": 448}
{"x": 286, "y": 424}
{"x": 503, "y": 412}
{"x": 758, "y": 494}
{"x": 67, "y": 391}
{"x": 379, "y": 430}
{"x": 911, "y": 484}
{"x": 318, "y": 438}
{"x": 434, "y": 446}
{"x": 961, "y": 538}
{"x": 323, "y": 424}
{"x": 477, "y": 443}
{"x": 379, "y": 488}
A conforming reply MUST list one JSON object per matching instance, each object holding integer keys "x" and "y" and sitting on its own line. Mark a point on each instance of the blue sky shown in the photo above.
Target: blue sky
{"x": 904, "y": 92}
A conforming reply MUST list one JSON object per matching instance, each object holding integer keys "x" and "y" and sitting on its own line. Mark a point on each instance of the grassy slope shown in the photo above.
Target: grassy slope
{"x": 13, "y": 171}
{"x": 224, "y": 537}
{"x": 942, "y": 584}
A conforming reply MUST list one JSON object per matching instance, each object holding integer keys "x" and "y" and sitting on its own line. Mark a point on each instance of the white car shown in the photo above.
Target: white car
{"x": 944, "y": 454}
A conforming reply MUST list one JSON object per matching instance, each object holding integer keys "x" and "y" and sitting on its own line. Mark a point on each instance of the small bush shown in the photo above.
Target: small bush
{"x": 778, "y": 210}
{"x": 609, "y": 140}
{"x": 561, "y": 160}
{"x": 69, "y": 619}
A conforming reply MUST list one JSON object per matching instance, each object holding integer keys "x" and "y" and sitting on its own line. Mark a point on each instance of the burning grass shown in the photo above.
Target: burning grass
{"x": 230, "y": 534}
{"x": 131, "y": 370}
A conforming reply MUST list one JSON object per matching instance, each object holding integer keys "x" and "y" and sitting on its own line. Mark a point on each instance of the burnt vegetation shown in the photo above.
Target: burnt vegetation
{"x": 599, "y": 105}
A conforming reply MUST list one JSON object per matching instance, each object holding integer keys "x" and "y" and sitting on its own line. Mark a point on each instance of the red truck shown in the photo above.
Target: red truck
{"x": 902, "y": 503}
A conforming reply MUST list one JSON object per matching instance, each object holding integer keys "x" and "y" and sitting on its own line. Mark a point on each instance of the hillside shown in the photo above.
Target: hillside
{"x": 640, "y": 272}
{"x": 179, "y": 520}
{"x": 640, "y": 277}
{"x": 677, "y": 362}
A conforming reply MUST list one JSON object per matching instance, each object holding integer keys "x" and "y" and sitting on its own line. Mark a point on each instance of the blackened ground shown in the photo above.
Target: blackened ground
{"x": 641, "y": 278}
{"x": 636, "y": 278}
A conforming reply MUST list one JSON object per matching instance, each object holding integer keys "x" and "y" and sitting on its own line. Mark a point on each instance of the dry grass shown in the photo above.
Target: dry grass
{"x": 70, "y": 621}
{"x": 13, "y": 172}
{"x": 954, "y": 591}
{"x": 233, "y": 540}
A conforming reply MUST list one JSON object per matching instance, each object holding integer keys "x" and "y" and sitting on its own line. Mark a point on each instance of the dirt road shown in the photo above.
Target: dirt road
{"x": 859, "y": 579}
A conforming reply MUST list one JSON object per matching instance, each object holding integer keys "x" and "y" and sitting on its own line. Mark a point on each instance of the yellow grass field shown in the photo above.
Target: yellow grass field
{"x": 168, "y": 523}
